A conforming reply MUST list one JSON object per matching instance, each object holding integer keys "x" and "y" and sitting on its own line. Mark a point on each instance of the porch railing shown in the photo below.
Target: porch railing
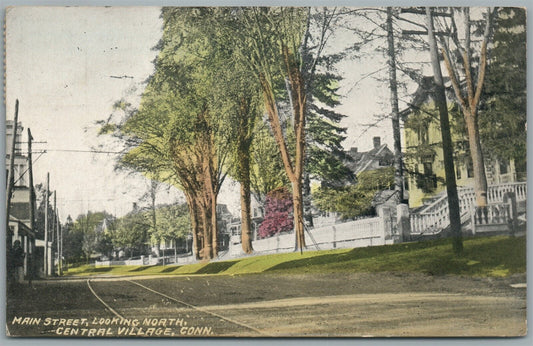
{"x": 435, "y": 217}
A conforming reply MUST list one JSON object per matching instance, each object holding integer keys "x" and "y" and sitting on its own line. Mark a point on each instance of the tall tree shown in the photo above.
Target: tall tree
{"x": 469, "y": 95}
{"x": 395, "y": 114}
{"x": 183, "y": 122}
{"x": 447, "y": 146}
{"x": 285, "y": 61}
{"x": 131, "y": 232}
{"x": 173, "y": 223}
{"x": 504, "y": 100}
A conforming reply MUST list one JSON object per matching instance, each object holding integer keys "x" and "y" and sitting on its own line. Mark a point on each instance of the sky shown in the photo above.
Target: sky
{"x": 68, "y": 65}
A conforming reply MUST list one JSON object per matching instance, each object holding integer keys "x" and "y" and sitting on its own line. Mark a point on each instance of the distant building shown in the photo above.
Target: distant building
{"x": 257, "y": 216}
{"x": 20, "y": 223}
{"x": 378, "y": 157}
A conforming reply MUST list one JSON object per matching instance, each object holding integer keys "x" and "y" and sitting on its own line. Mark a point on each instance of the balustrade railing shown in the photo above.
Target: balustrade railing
{"x": 492, "y": 214}
{"x": 434, "y": 218}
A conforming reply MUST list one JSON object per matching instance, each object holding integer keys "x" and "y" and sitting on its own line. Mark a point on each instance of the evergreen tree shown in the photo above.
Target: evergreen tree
{"x": 504, "y": 102}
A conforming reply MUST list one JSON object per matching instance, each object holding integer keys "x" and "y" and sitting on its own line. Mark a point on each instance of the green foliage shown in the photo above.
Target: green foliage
{"x": 173, "y": 222}
{"x": 503, "y": 115}
{"x": 267, "y": 172}
{"x": 107, "y": 129}
{"x": 354, "y": 200}
{"x": 131, "y": 231}
{"x": 84, "y": 237}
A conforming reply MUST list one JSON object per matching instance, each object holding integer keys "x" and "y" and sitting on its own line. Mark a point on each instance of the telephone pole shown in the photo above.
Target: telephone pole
{"x": 11, "y": 176}
{"x": 60, "y": 248}
{"x": 46, "y": 264}
{"x": 55, "y": 234}
{"x": 32, "y": 190}
{"x": 32, "y": 206}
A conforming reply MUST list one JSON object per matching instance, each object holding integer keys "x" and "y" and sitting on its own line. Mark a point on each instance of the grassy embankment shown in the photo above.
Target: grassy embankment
{"x": 484, "y": 256}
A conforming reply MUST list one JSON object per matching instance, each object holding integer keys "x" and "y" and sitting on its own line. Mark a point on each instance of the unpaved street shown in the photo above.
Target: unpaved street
{"x": 362, "y": 304}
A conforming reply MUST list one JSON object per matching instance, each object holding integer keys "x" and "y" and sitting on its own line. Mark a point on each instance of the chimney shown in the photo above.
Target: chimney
{"x": 377, "y": 142}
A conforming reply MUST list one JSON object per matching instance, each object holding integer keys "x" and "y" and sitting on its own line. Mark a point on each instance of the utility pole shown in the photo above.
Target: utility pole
{"x": 11, "y": 176}
{"x": 46, "y": 269}
{"x": 58, "y": 243}
{"x": 32, "y": 190}
{"x": 447, "y": 146}
{"x": 398, "y": 166}
{"x": 32, "y": 205}
{"x": 61, "y": 250}
{"x": 54, "y": 228}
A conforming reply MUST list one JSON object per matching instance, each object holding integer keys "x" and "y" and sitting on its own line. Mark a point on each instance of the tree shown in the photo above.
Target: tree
{"x": 182, "y": 124}
{"x": 504, "y": 100}
{"x": 280, "y": 53}
{"x": 174, "y": 223}
{"x": 278, "y": 209}
{"x": 354, "y": 200}
{"x": 469, "y": 95}
{"x": 72, "y": 243}
{"x": 84, "y": 235}
{"x": 131, "y": 232}
{"x": 267, "y": 171}
{"x": 447, "y": 146}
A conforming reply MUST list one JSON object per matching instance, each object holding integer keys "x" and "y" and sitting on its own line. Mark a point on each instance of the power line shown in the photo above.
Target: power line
{"x": 27, "y": 169}
{"x": 85, "y": 151}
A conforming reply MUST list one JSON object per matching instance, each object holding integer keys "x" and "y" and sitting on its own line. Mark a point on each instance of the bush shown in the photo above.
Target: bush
{"x": 278, "y": 213}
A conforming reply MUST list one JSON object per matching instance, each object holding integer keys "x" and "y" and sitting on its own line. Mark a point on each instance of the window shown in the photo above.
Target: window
{"x": 503, "y": 167}
{"x": 427, "y": 181}
{"x": 428, "y": 168}
{"x": 469, "y": 169}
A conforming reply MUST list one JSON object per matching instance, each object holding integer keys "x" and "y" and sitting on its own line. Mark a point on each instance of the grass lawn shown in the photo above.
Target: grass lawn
{"x": 483, "y": 256}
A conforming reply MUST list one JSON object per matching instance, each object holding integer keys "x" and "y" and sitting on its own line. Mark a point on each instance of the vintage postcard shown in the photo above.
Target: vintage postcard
{"x": 265, "y": 172}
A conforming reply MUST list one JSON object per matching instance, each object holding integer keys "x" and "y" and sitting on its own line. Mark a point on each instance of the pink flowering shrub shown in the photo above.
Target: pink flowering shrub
{"x": 278, "y": 213}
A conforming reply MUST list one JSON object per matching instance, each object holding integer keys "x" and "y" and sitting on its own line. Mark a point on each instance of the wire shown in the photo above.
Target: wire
{"x": 85, "y": 151}
{"x": 27, "y": 169}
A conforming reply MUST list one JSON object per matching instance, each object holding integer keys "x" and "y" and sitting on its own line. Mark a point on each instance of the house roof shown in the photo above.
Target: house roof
{"x": 423, "y": 94}
{"x": 363, "y": 160}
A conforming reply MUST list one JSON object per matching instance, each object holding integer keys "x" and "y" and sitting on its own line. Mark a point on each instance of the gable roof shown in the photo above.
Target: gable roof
{"x": 362, "y": 161}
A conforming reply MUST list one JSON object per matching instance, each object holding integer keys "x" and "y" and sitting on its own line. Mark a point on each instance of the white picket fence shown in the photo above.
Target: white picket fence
{"x": 359, "y": 233}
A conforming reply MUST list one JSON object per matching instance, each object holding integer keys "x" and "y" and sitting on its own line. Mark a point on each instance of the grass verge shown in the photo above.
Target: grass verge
{"x": 483, "y": 256}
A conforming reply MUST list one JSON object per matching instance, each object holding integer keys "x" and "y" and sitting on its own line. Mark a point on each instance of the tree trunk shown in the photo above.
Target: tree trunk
{"x": 246, "y": 222}
{"x": 299, "y": 101}
{"x": 447, "y": 146}
{"x": 214, "y": 226}
{"x": 207, "y": 251}
{"x": 398, "y": 169}
{"x": 195, "y": 225}
{"x": 308, "y": 209}
{"x": 480, "y": 179}
{"x": 469, "y": 102}
{"x": 298, "y": 214}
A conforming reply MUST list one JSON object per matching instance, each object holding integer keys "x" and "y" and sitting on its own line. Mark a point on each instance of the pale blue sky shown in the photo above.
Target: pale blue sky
{"x": 59, "y": 65}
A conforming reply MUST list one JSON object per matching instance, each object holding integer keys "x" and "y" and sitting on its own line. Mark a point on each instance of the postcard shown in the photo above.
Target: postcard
{"x": 262, "y": 172}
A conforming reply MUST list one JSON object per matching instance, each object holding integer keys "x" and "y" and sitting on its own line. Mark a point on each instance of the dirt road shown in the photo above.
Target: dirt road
{"x": 362, "y": 304}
